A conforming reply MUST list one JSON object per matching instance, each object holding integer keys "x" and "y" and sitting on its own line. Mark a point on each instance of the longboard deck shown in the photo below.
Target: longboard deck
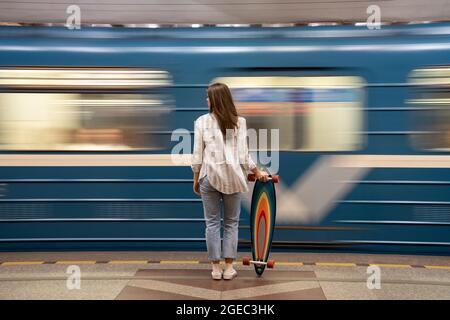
{"x": 262, "y": 222}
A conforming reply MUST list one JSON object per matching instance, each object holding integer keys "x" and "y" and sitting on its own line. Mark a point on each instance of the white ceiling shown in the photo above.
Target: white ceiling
{"x": 221, "y": 11}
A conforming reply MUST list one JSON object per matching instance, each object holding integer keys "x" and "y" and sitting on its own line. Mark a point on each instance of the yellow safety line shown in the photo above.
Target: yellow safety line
{"x": 76, "y": 262}
{"x": 438, "y": 267}
{"x": 128, "y": 262}
{"x": 179, "y": 262}
{"x": 388, "y": 265}
{"x": 21, "y": 263}
{"x": 285, "y": 263}
{"x": 288, "y": 263}
{"x": 335, "y": 264}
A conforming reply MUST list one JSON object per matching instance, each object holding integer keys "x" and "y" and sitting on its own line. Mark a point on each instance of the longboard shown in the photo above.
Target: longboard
{"x": 262, "y": 223}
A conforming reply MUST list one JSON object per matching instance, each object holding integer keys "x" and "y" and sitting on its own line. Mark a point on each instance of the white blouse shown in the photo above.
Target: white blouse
{"x": 225, "y": 161}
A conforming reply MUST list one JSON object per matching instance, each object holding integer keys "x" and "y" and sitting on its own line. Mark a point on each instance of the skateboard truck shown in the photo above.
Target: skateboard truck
{"x": 275, "y": 179}
{"x": 270, "y": 263}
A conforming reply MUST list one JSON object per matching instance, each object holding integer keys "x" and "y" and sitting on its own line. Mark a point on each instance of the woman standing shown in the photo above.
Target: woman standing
{"x": 220, "y": 164}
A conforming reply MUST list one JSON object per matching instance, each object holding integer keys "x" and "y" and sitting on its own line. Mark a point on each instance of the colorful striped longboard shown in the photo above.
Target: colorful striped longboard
{"x": 262, "y": 222}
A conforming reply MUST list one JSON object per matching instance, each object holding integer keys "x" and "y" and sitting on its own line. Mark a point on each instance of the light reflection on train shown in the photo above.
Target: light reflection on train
{"x": 65, "y": 115}
{"x": 312, "y": 113}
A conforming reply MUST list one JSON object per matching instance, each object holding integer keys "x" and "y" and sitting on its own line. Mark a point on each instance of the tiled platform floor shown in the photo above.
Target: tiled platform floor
{"x": 197, "y": 284}
{"x": 185, "y": 275}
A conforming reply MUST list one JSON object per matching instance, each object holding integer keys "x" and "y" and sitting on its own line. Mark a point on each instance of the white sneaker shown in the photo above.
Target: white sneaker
{"x": 217, "y": 275}
{"x": 229, "y": 274}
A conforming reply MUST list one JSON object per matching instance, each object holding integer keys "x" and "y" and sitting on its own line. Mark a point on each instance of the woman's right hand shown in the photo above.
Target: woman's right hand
{"x": 196, "y": 187}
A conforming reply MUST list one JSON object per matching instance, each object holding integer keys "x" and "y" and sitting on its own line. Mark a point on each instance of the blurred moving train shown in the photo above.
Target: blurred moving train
{"x": 87, "y": 119}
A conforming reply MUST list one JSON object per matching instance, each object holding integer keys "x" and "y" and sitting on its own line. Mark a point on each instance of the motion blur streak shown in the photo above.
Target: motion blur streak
{"x": 87, "y": 116}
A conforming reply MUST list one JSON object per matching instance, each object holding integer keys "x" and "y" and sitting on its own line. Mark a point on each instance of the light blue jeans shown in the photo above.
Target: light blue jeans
{"x": 212, "y": 199}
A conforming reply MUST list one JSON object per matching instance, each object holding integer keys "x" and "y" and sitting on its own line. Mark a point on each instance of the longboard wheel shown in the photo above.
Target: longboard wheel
{"x": 251, "y": 177}
{"x": 275, "y": 179}
{"x": 270, "y": 264}
{"x": 246, "y": 261}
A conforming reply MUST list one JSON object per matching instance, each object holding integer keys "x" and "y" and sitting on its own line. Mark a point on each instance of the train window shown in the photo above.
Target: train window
{"x": 431, "y": 118}
{"x": 82, "y": 109}
{"x": 311, "y": 113}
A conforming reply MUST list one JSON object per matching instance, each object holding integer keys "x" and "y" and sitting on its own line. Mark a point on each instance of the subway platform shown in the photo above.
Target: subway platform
{"x": 186, "y": 276}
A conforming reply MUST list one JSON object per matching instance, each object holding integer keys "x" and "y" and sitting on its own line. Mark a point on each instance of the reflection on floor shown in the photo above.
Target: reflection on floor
{"x": 197, "y": 284}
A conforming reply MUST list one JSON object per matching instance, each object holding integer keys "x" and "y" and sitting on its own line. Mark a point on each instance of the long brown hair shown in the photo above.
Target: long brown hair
{"x": 222, "y": 106}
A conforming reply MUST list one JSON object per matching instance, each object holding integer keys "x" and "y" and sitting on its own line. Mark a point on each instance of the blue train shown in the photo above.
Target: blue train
{"x": 96, "y": 124}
